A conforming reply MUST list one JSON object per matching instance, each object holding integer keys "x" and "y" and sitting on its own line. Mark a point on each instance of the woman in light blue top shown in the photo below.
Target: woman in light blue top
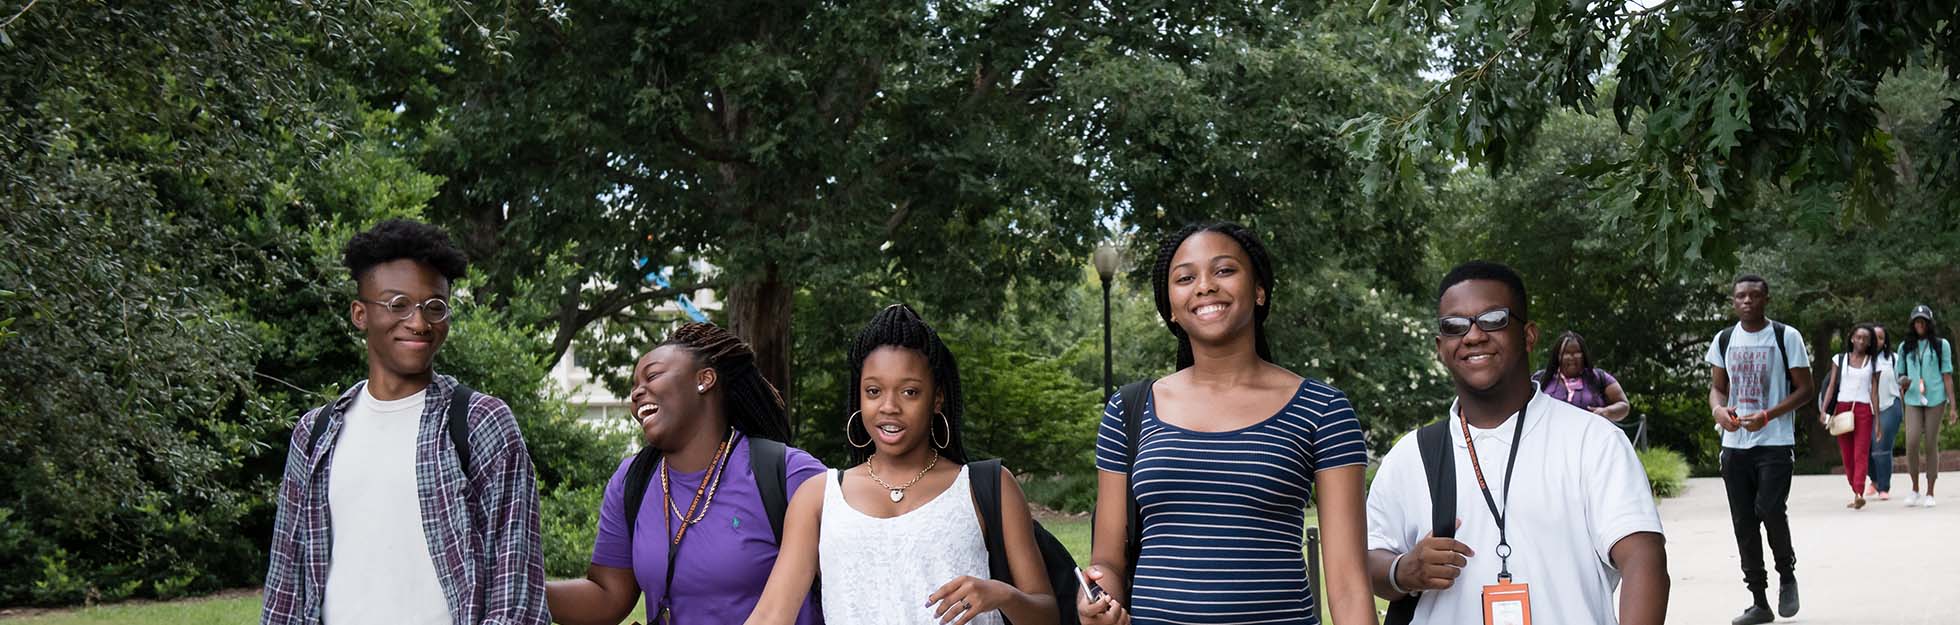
{"x": 1926, "y": 379}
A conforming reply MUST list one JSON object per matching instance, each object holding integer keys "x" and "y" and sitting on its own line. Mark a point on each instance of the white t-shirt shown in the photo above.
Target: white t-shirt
{"x": 1579, "y": 490}
{"x": 381, "y": 571}
{"x": 1888, "y": 381}
{"x": 1854, "y": 383}
{"x": 1757, "y": 383}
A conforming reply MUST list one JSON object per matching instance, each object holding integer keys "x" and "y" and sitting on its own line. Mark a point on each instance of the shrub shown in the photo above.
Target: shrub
{"x": 1667, "y": 471}
{"x": 570, "y": 523}
{"x": 1072, "y": 493}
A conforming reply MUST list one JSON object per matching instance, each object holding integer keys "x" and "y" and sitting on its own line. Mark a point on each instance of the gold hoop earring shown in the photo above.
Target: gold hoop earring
{"x": 949, "y": 431}
{"x": 858, "y": 415}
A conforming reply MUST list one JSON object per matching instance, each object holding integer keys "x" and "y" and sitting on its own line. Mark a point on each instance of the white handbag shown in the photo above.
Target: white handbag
{"x": 1843, "y": 423}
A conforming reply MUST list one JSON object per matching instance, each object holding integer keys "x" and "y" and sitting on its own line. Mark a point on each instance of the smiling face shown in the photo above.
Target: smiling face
{"x": 1213, "y": 291}
{"x": 1480, "y": 361}
{"x": 667, "y": 399}
{"x": 403, "y": 348}
{"x": 898, "y": 400}
{"x": 1571, "y": 357}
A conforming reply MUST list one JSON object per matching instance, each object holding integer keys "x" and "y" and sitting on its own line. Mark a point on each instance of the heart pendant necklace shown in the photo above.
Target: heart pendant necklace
{"x": 898, "y": 492}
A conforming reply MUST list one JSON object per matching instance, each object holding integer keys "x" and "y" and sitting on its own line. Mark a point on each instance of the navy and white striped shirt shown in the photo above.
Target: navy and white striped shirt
{"x": 1223, "y": 512}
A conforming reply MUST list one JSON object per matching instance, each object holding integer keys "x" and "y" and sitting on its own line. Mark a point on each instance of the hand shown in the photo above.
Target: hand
{"x": 1952, "y": 413}
{"x": 1753, "y": 422}
{"x": 1433, "y": 564}
{"x": 1102, "y": 611}
{"x": 1725, "y": 417}
{"x": 1598, "y": 411}
{"x": 966, "y": 597}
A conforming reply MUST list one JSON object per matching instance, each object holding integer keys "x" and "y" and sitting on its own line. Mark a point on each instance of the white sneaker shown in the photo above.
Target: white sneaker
{"x": 1912, "y": 500}
{"x": 1928, "y": 502}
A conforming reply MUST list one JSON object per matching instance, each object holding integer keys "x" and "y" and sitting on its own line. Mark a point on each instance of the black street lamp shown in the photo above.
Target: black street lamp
{"x": 1106, "y": 258}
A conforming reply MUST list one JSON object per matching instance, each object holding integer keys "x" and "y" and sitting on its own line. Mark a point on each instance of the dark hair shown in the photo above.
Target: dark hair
{"x": 1496, "y": 272}
{"x": 753, "y": 406}
{"x": 1884, "y": 342}
{"x": 1750, "y": 277}
{"x": 1587, "y": 373}
{"x": 1871, "y": 344}
{"x": 1913, "y": 338}
{"x": 900, "y": 326}
{"x": 1262, "y": 273}
{"x": 396, "y": 239}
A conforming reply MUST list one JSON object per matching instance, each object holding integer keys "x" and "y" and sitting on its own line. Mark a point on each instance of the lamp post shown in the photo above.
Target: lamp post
{"x": 1106, "y": 258}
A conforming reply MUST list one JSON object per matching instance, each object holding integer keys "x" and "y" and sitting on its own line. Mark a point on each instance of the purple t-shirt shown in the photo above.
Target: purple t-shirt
{"x": 1575, "y": 392}
{"x": 724, "y": 560}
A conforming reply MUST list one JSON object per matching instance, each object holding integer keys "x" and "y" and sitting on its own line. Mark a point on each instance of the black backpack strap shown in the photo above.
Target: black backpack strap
{"x": 1134, "y": 395}
{"x": 983, "y": 477}
{"x": 639, "y": 475}
{"x": 1782, "y": 357}
{"x": 460, "y": 399}
{"x": 1439, "y": 470}
{"x": 769, "y": 460}
{"x": 1722, "y": 344}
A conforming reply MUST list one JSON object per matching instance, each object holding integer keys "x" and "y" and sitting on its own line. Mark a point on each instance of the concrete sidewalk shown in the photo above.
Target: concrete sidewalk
{"x": 1886, "y": 564}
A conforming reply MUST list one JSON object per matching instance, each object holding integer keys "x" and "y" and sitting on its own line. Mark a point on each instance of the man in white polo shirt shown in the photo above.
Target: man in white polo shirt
{"x": 1546, "y": 528}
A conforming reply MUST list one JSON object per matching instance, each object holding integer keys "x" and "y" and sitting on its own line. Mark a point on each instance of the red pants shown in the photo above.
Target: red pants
{"x": 1856, "y": 446}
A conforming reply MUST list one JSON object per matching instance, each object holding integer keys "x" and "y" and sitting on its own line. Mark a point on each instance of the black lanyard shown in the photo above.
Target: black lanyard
{"x": 1517, "y": 440}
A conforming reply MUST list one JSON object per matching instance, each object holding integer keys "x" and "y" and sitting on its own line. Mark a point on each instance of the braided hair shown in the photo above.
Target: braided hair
{"x": 1262, "y": 273}
{"x": 753, "y": 406}
{"x": 1587, "y": 373}
{"x": 900, "y": 326}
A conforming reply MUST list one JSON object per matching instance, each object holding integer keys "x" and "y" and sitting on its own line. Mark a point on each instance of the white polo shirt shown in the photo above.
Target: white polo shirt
{"x": 1579, "y": 489}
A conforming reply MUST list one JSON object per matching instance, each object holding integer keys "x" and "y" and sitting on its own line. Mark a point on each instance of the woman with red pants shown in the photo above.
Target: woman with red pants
{"x": 1854, "y": 380}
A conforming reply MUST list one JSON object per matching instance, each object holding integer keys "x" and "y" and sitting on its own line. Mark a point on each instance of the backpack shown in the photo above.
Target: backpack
{"x": 1439, "y": 466}
{"x": 1133, "y": 398}
{"x": 768, "y": 459}
{"x": 984, "y": 478}
{"x": 457, "y": 424}
{"x": 1722, "y": 347}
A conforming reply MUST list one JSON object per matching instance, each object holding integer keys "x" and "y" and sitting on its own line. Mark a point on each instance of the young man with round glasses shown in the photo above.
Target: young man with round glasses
{"x": 1540, "y": 508}
{"x": 411, "y": 498}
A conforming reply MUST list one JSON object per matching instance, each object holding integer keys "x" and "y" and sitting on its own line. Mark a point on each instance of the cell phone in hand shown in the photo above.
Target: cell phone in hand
{"x": 1089, "y": 588}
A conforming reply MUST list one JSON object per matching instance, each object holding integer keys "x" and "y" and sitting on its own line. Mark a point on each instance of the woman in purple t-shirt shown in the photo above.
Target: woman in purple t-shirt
{"x": 701, "y": 544}
{"x": 1569, "y": 375}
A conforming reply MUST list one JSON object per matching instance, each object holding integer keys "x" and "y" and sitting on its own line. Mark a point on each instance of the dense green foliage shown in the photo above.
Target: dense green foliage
{"x": 178, "y": 179}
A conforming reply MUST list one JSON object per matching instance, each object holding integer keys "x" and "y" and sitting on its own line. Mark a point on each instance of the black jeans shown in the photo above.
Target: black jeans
{"x": 1758, "y": 484}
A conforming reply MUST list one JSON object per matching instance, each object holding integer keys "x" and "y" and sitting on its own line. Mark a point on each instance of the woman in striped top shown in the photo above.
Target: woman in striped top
{"x": 1232, "y": 448}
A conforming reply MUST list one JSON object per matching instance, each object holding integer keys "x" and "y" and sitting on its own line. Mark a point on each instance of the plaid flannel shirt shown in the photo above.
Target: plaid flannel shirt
{"x": 482, "y": 526}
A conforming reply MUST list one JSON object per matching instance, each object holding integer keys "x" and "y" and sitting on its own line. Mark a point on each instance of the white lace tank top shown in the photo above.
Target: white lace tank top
{"x": 880, "y": 571}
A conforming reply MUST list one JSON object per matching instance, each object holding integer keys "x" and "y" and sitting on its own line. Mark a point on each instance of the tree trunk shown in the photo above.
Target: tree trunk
{"x": 1821, "y": 446}
{"x": 759, "y": 311}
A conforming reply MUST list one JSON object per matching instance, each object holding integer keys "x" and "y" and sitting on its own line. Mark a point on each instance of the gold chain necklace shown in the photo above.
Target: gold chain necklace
{"x": 898, "y": 493}
{"x": 710, "y": 484}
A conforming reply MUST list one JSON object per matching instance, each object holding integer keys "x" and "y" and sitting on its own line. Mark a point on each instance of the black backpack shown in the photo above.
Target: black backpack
{"x": 458, "y": 426}
{"x": 1133, "y": 398}
{"x": 768, "y": 459}
{"x": 1722, "y": 347}
{"x": 984, "y": 478}
{"x": 1439, "y": 466}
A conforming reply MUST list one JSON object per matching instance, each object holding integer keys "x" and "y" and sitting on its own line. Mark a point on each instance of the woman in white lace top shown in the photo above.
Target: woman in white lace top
{"x": 897, "y": 535}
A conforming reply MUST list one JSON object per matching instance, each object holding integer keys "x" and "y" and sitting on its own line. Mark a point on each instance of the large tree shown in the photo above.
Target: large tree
{"x": 938, "y": 150}
{"x": 1727, "y": 99}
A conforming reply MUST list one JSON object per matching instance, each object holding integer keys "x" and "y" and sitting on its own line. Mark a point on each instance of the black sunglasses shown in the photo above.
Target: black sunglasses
{"x": 1490, "y": 321}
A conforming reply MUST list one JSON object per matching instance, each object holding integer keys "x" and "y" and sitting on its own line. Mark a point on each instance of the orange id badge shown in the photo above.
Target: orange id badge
{"x": 1506, "y": 603}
